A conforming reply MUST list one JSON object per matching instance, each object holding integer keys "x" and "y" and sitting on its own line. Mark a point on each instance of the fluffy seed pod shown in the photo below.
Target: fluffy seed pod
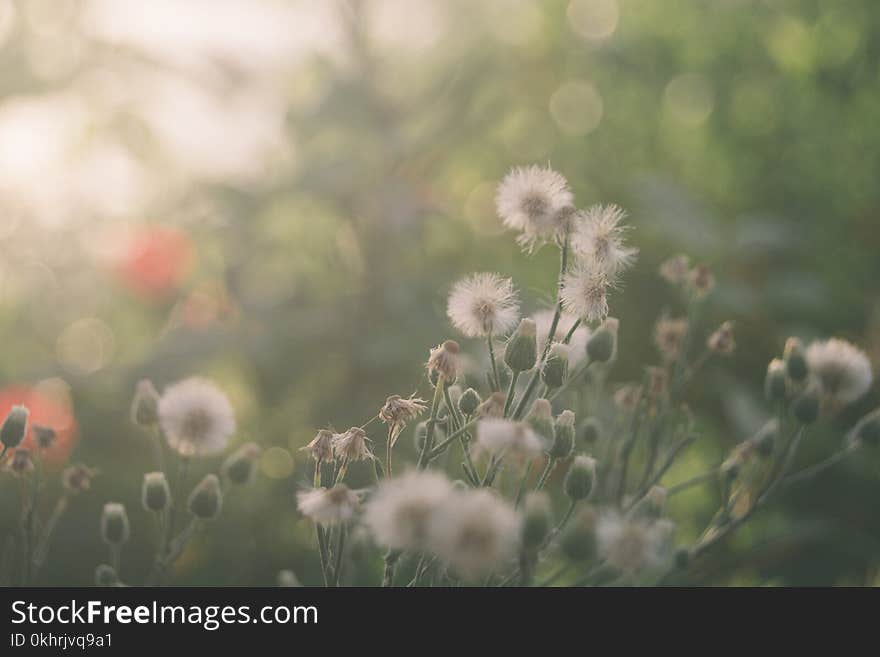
{"x": 469, "y": 402}
{"x": 536, "y": 521}
{"x": 556, "y": 367}
{"x": 522, "y": 348}
{"x": 240, "y": 466}
{"x": 602, "y": 345}
{"x": 578, "y": 482}
{"x": 563, "y": 438}
{"x": 206, "y": 500}
{"x": 775, "y": 385}
{"x": 145, "y": 405}
{"x": 14, "y": 427}
{"x": 795, "y": 358}
{"x": 114, "y": 524}
{"x": 155, "y": 493}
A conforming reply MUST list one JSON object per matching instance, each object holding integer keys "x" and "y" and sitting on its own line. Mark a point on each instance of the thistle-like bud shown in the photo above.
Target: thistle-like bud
{"x": 240, "y": 466}
{"x": 578, "y": 482}
{"x": 114, "y": 524}
{"x": 469, "y": 402}
{"x": 493, "y": 406}
{"x": 522, "y": 348}
{"x": 578, "y": 541}
{"x": 540, "y": 419}
{"x": 145, "y": 405}
{"x": 722, "y": 341}
{"x": 556, "y": 367}
{"x": 867, "y": 431}
{"x": 590, "y": 430}
{"x": 206, "y": 499}
{"x": 795, "y": 358}
{"x": 602, "y": 345}
{"x": 775, "y": 386}
{"x": 563, "y": 441}
{"x": 443, "y": 361}
{"x": 155, "y": 493}
{"x": 78, "y": 478}
{"x": 106, "y": 576}
{"x": 14, "y": 427}
{"x": 44, "y": 436}
{"x": 652, "y": 504}
{"x": 808, "y": 404}
{"x": 21, "y": 462}
{"x": 536, "y": 521}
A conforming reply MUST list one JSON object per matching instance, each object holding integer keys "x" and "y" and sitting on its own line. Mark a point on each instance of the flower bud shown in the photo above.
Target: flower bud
{"x": 522, "y": 348}
{"x": 21, "y": 462}
{"x": 540, "y": 419}
{"x": 469, "y": 402}
{"x": 493, "y": 406}
{"x": 775, "y": 386}
{"x": 105, "y": 575}
{"x": 206, "y": 500}
{"x": 591, "y": 430}
{"x": 78, "y": 478}
{"x": 536, "y": 521}
{"x": 239, "y": 467}
{"x": 867, "y": 430}
{"x": 578, "y": 541}
{"x": 556, "y": 367}
{"x": 602, "y": 344}
{"x": 807, "y": 405}
{"x": 44, "y": 436}
{"x": 578, "y": 482}
{"x": 114, "y": 524}
{"x": 796, "y": 360}
{"x": 702, "y": 280}
{"x": 14, "y": 427}
{"x": 145, "y": 406}
{"x": 443, "y": 361}
{"x": 563, "y": 441}
{"x": 155, "y": 493}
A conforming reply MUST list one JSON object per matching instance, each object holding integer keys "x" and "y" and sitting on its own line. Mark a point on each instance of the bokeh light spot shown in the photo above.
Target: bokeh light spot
{"x": 576, "y": 107}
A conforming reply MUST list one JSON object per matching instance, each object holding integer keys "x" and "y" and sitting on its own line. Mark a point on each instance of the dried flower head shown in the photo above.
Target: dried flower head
{"x": 722, "y": 340}
{"x": 328, "y": 506}
{"x": 321, "y": 446}
{"x": 443, "y": 361}
{"x": 676, "y": 270}
{"x": 397, "y": 411}
{"x": 584, "y": 292}
{"x": 399, "y": 514}
{"x": 669, "y": 335}
{"x": 483, "y": 304}
{"x": 497, "y": 436}
{"x": 22, "y": 462}
{"x": 599, "y": 240}
{"x": 196, "y": 417}
{"x": 702, "y": 280}
{"x": 843, "y": 370}
{"x": 78, "y": 478}
{"x": 577, "y": 344}
{"x": 352, "y": 445}
{"x": 534, "y": 201}
{"x": 475, "y": 532}
{"x": 44, "y": 436}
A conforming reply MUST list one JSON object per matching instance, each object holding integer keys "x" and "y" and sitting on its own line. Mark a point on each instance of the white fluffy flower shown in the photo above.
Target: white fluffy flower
{"x": 599, "y": 239}
{"x": 399, "y": 514}
{"x": 475, "y": 532}
{"x": 843, "y": 369}
{"x": 196, "y": 417}
{"x": 499, "y": 437}
{"x": 483, "y": 304}
{"x": 585, "y": 292}
{"x": 577, "y": 345}
{"x": 634, "y": 545}
{"x": 535, "y": 201}
{"x": 328, "y": 506}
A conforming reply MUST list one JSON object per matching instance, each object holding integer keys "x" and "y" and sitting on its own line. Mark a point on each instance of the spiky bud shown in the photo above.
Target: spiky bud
{"x": 206, "y": 500}
{"x": 537, "y": 520}
{"x": 556, "y": 367}
{"x": 602, "y": 344}
{"x": 795, "y": 358}
{"x": 807, "y": 406}
{"x": 578, "y": 482}
{"x": 493, "y": 406}
{"x": 563, "y": 441}
{"x": 155, "y": 493}
{"x": 775, "y": 385}
{"x": 240, "y": 466}
{"x": 114, "y": 524}
{"x": 14, "y": 427}
{"x": 522, "y": 348}
{"x": 469, "y": 402}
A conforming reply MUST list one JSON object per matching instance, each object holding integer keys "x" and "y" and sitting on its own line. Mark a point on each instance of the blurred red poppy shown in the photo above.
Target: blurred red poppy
{"x": 155, "y": 261}
{"x": 50, "y": 407}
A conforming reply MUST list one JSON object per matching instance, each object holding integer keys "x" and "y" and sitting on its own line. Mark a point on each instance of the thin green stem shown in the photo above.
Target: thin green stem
{"x": 432, "y": 420}
{"x": 496, "y": 382}
{"x": 551, "y": 461}
{"x": 339, "y": 551}
{"x": 511, "y": 393}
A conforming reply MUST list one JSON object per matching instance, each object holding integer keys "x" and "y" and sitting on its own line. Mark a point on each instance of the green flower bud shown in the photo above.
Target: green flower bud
{"x": 591, "y": 430}
{"x": 114, "y": 524}
{"x": 868, "y": 429}
{"x": 602, "y": 344}
{"x": 556, "y": 367}
{"x": 775, "y": 385}
{"x": 796, "y": 360}
{"x": 240, "y": 466}
{"x": 563, "y": 441}
{"x": 806, "y": 406}
{"x": 145, "y": 406}
{"x": 106, "y": 576}
{"x": 536, "y": 521}
{"x": 540, "y": 419}
{"x": 578, "y": 482}
{"x": 14, "y": 427}
{"x": 155, "y": 493}
{"x": 522, "y": 348}
{"x": 468, "y": 402}
{"x": 578, "y": 541}
{"x": 206, "y": 500}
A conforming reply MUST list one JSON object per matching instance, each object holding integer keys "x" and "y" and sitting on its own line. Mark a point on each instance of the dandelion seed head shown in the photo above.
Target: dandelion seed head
{"x": 843, "y": 370}
{"x": 497, "y": 436}
{"x": 196, "y": 418}
{"x": 599, "y": 239}
{"x": 400, "y": 513}
{"x": 328, "y": 506}
{"x": 483, "y": 304}
{"x": 534, "y": 201}
{"x": 585, "y": 292}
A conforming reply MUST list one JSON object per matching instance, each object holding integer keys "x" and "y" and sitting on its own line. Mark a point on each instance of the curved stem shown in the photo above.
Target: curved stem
{"x": 496, "y": 382}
